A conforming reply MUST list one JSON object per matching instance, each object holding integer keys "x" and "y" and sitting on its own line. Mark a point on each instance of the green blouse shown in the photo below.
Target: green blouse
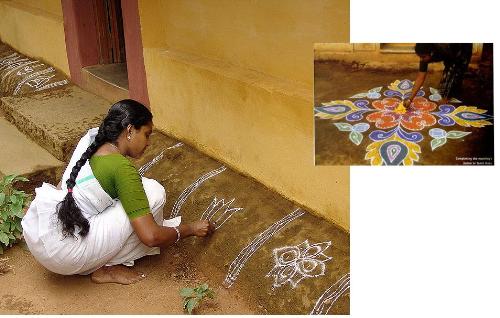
{"x": 120, "y": 179}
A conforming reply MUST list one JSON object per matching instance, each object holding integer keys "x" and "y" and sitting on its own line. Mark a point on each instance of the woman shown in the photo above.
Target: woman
{"x": 104, "y": 216}
{"x": 456, "y": 58}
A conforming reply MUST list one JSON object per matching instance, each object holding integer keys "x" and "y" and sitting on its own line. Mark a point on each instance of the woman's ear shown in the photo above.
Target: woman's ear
{"x": 129, "y": 131}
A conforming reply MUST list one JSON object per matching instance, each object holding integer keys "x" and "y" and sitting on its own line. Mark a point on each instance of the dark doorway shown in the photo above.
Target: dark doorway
{"x": 104, "y": 46}
{"x": 110, "y": 31}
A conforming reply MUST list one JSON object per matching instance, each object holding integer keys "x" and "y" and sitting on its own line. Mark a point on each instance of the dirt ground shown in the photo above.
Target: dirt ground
{"x": 335, "y": 80}
{"x": 31, "y": 289}
{"x": 34, "y": 290}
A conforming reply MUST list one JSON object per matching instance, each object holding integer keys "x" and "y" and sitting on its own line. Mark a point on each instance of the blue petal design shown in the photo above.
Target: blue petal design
{"x": 356, "y": 115}
{"x": 420, "y": 93}
{"x": 413, "y": 136}
{"x": 435, "y": 97}
{"x": 393, "y": 152}
{"x": 378, "y": 135}
{"x": 362, "y": 103}
{"x": 405, "y": 84}
{"x": 470, "y": 116}
{"x": 445, "y": 109}
{"x": 334, "y": 110}
{"x": 445, "y": 120}
{"x": 391, "y": 93}
{"x": 373, "y": 95}
{"x": 361, "y": 127}
{"x": 437, "y": 133}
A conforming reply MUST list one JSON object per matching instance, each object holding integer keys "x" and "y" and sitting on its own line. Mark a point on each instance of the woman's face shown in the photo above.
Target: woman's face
{"x": 139, "y": 140}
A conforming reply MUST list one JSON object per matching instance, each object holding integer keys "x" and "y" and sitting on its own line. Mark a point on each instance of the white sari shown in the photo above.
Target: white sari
{"x": 111, "y": 239}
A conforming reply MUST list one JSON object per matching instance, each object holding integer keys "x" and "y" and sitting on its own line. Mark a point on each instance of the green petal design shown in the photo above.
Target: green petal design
{"x": 343, "y": 126}
{"x": 455, "y": 134}
{"x": 438, "y": 142}
{"x": 360, "y": 95}
{"x": 375, "y": 89}
{"x": 356, "y": 137}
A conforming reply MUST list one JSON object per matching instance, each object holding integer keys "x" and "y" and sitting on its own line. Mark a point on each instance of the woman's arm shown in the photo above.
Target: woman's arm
{"x": 419, "y": 81}
{"x": 152, "y": 234}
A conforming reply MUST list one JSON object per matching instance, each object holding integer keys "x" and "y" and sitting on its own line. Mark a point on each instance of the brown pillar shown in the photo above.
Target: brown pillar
{"x": 80, "y": 35}
{"x": 137, "y": 84}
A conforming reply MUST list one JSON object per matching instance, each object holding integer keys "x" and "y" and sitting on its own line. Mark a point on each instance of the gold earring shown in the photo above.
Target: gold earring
{"x": 128, "y": 137}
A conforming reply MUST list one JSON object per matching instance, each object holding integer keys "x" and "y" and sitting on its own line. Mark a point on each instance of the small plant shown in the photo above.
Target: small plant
{"x": 193, "y": 296}
{"x": 12, "y": 203}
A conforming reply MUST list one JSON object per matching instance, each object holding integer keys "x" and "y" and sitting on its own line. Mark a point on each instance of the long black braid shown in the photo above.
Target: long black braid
{"x": 120, "y": 115}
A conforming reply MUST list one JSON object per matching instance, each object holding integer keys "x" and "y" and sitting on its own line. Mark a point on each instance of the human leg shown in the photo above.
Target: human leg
{"x": 118, "y": 269}
{"x": 119, "y": 274}
{"x": 133, "y": 248}
{"x": 451, "y": 81}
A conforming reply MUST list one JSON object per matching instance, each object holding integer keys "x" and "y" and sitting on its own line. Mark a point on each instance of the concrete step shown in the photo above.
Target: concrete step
{"x": 56, "y": 120}
{"x": 109, "y": 81}
{"x": 282, "y": 256}
{"x": 22, "y": 156}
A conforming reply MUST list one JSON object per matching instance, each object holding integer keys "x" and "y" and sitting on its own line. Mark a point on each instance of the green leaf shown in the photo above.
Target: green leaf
{"x": 8, "y": 179}
{"x": 343, "y": 126}
{"x": 4, "y": 238}
{"x": 356, "y": 137}
{"x": 2, "y": 198}
{"x": 4, "y": 227}
{"x": 455, "y": 134}
{"x": 191, "y": 305}
{"x": 360, "y": 95}
{"x": 13, "y": 199}
{"x": 203, "y": 287}
{"x": 21, "y": 178}
{"x": 186, "y": 292}
{"x": 4, "y": 214}
{"x": 17, "y": 211}
{"x": 19, "y": 227}
{"x": 438, "y": 142}
{"x": 376, "y": 89}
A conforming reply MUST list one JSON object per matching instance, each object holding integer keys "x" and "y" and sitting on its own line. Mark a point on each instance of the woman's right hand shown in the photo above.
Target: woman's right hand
{"x": 202, "y": 228}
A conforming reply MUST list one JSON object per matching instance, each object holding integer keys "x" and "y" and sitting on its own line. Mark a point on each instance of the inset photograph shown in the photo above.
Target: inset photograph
{"x": 403, "y": 104}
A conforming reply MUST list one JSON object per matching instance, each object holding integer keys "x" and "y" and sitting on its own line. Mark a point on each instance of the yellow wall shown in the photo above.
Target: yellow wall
{"x": 35, "y": 28}
{"x": 235, "y": 79}
{"x": 255, "y": 34}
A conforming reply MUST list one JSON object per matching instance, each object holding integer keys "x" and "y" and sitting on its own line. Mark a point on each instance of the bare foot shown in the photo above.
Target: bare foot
{"x": 116, "y": 274}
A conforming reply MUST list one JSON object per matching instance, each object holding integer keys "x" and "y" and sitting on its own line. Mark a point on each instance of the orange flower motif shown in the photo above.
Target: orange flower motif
{"x": 416, "y": 117}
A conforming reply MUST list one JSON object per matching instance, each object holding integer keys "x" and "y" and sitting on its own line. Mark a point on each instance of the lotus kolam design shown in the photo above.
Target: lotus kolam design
{"x": 396, "y": 137}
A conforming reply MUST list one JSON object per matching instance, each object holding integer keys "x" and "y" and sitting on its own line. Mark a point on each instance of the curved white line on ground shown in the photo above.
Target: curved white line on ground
{"x": 250, "y": 249}
{"x": 330, "y": 296}
{"x": 155, "y": 160}
{"x": 185, "y": 194}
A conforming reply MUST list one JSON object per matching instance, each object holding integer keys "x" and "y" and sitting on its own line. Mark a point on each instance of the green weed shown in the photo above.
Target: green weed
{"x": 12, "y": 204}
{"x": 192, "y": 297}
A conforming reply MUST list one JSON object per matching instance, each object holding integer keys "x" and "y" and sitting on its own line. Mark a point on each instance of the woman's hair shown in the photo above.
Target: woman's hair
{"x": 120, "y": 115}
{"x": 423, "y": 48}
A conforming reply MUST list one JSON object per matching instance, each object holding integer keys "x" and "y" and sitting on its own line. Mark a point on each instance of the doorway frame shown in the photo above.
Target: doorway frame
{"x": 83, "y": 48}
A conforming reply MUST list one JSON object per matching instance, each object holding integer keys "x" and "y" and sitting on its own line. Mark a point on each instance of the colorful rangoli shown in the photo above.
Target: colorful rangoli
{"x": 397, "y": 137}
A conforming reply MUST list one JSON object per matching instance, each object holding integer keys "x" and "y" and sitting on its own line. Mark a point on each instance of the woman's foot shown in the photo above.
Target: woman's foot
{"x": 119, "y": 274}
